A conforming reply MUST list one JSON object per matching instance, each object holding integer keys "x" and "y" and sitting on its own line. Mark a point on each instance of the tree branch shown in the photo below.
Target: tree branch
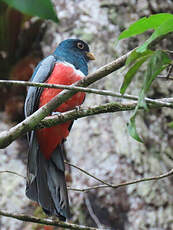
{"x": 87, "y": 173}
{"x": 78, "y": 89}
{"x": 68, "y": 163}
{"x": 169, "y": 173}
{"x": 56, "y": 223}
{"x": 11, "y": 172}
{"x": 105, "y": 184}
{"x": 94, "y": 110}
{"x": 22, "y": 128}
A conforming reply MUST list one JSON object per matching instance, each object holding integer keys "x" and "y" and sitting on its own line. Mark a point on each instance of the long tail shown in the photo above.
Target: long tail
{"x": 46, "y": 180}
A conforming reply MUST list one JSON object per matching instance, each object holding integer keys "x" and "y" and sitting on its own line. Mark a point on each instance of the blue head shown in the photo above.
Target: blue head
{"x": 76, "y": 52}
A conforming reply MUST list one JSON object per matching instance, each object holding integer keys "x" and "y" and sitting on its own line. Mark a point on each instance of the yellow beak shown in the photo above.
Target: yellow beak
{"x": 90, "y": 56}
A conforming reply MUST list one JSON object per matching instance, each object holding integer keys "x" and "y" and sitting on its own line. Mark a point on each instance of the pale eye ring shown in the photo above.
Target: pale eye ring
{"x": 80, "y": 45}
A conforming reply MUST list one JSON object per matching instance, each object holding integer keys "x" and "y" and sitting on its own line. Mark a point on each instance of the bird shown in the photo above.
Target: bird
{"x": 45, "y": 169}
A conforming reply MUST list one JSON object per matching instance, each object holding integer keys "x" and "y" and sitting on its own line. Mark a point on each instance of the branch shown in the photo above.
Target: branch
{"x": 169, "y": 173}
{"x": 11, "y": 172}
{"x": 68, "y": 163}
{"x": 87, "y": 173}
{"x": 30, "y": 122}
{"x": 22, "y": 128}
{"x": 33, "y": 219}
{"x": 94, "y": 110}
{"x": 77, "y": 89}
{"x": 106, "y": 185}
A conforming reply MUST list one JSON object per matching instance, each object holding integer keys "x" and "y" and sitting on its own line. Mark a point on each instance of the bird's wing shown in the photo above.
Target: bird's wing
{"x": 40, "y": 75}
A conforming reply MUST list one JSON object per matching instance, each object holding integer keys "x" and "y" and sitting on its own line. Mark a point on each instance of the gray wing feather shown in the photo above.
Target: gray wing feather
{"x": 40, "y": 75}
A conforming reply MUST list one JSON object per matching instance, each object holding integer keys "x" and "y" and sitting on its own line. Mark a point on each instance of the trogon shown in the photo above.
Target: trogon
{"x": 46, "y": 171}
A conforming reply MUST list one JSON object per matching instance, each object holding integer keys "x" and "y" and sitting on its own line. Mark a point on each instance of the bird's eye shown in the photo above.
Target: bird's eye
{"x": 80, "y": 45}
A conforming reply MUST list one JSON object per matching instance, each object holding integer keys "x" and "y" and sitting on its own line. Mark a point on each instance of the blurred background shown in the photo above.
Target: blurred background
{"x": 99, "y": 144}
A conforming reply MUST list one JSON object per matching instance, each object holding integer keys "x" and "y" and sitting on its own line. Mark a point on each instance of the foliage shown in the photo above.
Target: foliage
{"x": 156, "y": 60}
{"x": 161, "y": 23}
{"x": 40, "y": 8}
{"x": 171, "y": 124}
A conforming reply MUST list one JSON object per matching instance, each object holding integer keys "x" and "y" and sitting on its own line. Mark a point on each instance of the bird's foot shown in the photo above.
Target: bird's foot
{"x": 77, "y": 108}
{"x": 57, "y": 113}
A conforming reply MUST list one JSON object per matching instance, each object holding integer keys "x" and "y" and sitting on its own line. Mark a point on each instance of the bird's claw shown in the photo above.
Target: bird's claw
{"x": 57, "y": 113}
{"x": 77, "y": 108}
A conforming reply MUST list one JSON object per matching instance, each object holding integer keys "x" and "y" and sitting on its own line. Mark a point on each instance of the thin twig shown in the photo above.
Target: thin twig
{"x": 168, "y": 51}
{"x": 68, "y": 163}
{"x": 87, "y": 173}
{"x": 80, "y": 89}
{"x": 105, "y": 184}
{"x": 169, "y": 71}
{"x": 11, "y": 172}
{"x": 164, "y": 78}
{"x": 56, "y": 223}
{"x": 115, "y": 186}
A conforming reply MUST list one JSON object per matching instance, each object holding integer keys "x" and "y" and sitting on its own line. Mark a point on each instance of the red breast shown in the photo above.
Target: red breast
{"x": 63, "y": 74}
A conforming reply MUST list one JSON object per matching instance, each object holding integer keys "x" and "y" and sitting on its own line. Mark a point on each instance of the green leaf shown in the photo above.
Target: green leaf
{"x": 136, "y": 55}
{"x": 141, "y": 58}
{"x": 170, "y": 124}
{"x": 132, "y": 129}
{"x": 144, "y": 24}
{"x": 157, "y": 63}
{"x": 131, "y": 73}
{"x": 165, "y": 28}
{"x": 41, "y": 8}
